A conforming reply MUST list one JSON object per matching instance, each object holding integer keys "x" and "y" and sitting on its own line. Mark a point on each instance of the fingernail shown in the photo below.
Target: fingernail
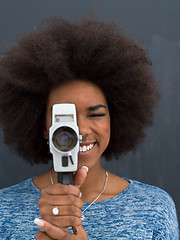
{"x": 39, "y": 222}
{"x": 87, "y": 169}
{"x": 80, "y": 194}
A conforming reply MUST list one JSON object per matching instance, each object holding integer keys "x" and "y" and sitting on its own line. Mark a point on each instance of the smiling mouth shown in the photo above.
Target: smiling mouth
{"x": 85, "y": 148}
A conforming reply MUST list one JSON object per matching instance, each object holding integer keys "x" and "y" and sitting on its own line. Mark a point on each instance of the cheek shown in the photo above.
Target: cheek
{"x": 106, "y": 131}
{"x": 47, "y": 126}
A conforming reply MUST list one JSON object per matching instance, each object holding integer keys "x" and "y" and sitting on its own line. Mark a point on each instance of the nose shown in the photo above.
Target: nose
{"x": 84, "y": 126}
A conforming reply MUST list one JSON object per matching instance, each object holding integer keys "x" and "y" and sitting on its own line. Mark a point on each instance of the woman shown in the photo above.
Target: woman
{"x": 109, "y": 79}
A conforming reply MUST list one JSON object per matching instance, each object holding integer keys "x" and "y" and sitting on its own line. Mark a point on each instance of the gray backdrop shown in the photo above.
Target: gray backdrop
{"x": 157, "y": 24}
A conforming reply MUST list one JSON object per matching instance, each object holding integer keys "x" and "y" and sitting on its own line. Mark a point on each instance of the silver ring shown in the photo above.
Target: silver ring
{"x": 55, "y": 210}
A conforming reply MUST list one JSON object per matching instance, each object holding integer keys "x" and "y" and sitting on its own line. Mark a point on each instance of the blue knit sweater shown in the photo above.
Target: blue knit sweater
{"x": 140, "y": 212}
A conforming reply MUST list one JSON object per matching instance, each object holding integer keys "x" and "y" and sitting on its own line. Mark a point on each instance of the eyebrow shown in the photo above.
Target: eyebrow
{"x": 95, "y": 107}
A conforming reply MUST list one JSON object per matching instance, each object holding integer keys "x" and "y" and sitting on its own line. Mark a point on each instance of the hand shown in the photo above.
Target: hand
{"x": 53, "y": 232}
{"x": 66, "y": 197}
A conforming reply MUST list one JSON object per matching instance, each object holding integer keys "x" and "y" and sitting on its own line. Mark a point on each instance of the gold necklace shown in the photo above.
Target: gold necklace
{"x": 104, "y": 187}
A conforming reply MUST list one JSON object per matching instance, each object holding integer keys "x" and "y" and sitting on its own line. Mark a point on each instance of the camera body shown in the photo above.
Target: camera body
{"x": 64, "y": 138}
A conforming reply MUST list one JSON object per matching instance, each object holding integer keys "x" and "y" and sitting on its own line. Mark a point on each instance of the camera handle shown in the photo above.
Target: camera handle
{"x": 65, "y": 178}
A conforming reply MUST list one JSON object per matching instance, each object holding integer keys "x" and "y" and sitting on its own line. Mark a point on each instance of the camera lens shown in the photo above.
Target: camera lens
{"x": 64, "y": 139}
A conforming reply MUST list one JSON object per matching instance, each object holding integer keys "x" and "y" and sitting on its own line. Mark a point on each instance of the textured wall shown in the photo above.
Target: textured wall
{"x": 156, "y": 23}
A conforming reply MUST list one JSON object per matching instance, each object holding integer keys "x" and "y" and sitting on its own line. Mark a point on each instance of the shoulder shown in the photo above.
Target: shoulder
{"x": 19, "y": 186}
{"x": 149, "y": 196}
{"x": 142, "y": 195}
{"x": 141, "y": 188}
{"x": 18, "y": 199}
{"x": 17, "y": 192}
{"x": 147, "y": 201}
{"x": 149, "y": 193}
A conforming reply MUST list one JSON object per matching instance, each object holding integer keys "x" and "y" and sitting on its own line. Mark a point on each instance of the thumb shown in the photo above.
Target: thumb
{"x": 80, "y": 232}
{"x": 80, "y": 176}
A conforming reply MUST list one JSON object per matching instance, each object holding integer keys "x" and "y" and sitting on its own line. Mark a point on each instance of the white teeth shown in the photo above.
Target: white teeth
{"x": 86, "y": 147}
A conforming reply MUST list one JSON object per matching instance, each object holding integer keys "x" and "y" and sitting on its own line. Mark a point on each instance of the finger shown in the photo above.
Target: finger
{"x": 63, "y": 221}
{"x": 67, "y": 210}
{"x": 61, "y": 200}
{"x": 80, "y": 232}
{"x": 80, "y": 176}
{"x": 42, "y": 236}
{"x": 54, "y": 232}
{"x": 60, "y": 189}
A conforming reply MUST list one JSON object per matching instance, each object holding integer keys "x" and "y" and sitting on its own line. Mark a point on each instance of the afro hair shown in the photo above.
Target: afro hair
{"x": 59, "y": 51}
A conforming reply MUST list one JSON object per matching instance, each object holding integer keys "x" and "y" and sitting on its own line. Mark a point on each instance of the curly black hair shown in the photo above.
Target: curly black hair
{"x": 59, "y": 51}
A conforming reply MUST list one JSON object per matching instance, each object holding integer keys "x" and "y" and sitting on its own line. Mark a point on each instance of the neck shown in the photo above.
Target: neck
{"x": 93, "y": 183}
{"x": 95, "y": 177}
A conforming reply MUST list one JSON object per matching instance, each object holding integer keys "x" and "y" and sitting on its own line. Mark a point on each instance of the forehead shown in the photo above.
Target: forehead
{"x": 78, "y": 92}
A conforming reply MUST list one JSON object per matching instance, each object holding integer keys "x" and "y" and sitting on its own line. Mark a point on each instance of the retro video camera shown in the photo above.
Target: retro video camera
{"x": 64, "y": 141}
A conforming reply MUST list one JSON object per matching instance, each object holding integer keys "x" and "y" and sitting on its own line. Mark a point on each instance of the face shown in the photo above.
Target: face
{"x": 92, "y": 117}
